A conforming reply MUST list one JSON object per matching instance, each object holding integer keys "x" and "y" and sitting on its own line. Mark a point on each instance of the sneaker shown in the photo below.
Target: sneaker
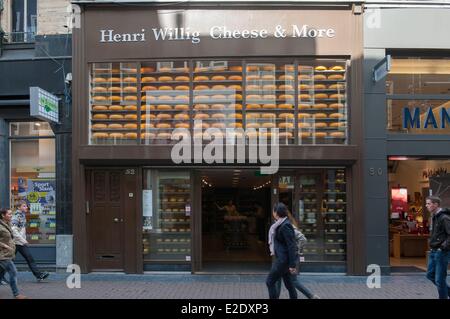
{"x": 21, "y": 297}
{"x": 43, "y": 276}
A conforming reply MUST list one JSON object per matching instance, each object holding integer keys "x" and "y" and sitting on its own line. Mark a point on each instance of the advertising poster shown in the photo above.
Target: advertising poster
{"x": 399, "y": 202}
{"x": 147, "y": 205}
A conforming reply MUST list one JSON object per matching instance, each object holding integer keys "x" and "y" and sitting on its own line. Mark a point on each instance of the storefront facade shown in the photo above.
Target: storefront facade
{"x": 406, "y": 125}
{"x": 141, "y": 72}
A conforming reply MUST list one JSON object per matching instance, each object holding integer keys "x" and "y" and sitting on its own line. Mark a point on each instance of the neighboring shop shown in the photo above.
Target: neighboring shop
{"x": 407, "y": 124}
{"x": 141, "y": 72}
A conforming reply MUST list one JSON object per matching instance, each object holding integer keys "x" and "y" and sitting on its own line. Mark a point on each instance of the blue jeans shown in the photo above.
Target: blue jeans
{"x": 278, "y": 271}
{"x": 437, "y": 272}
{"x": 11, "y": 270}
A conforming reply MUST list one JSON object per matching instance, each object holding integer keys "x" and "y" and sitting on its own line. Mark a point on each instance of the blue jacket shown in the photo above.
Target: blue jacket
{"x": 285, "y": 245}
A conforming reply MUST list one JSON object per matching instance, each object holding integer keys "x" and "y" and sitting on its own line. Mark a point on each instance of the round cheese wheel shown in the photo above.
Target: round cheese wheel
{"x": 269, "y": 87}
{"x": 337, "y": 86}
{"x": 285, "y": 106}
{"x": 287, "y": 68}
{"x": 320, "y": 68}
{"x": 201, "y": 78}
{"x": 235, "y": 116}
{"x": 148, "y": 107}
{"x": 165, "y": 88}
{"x": 163, "y": 125}
{"x": 286, "y": 116}
{"x": 236, "y": 106}
{"x": 130, "y": 116}
{"x": 183, "y": 98}
{"x": 115, "y": 89}
{"x": 269, "y": 106}
{"x": 201, "y": 116}
{"x": 235, "y": 125}
{"x": 218, "y": 125}
{"x": 131, "y": 135}
{"x": 304, "y": 135}
{"x": 235, "y": 78}
{"x": 269, "y": 67}
{"x": 99, "y": 107}
{"x": 320, "y": 77}
{"x": 303, "y": 125}
{"x": 165, "y": 78}
{"x": 320, "y": 106}
{"x": 341, "y": 124}
{"x": 201, "y": 87}
{"x": 182, "y": 88}
{"x": 116, "y": 98}
{"x": 218, "y": 78}
{"x": 130, "y": 98}
{"x": 182, "y": 107}
{"x": 201, "y": 107}
{"x": 253, "y": 87}
{"x": 114, "y": 80}
{"x": 253, "y": 125}
{"x": 337, "y": 77}
{"x": 336, "y": 68}
{"x": 320, "y": 116}
{"x": 99, "y": 80}
{"x": 237, "y": 97}
{"x": 99, "y": 98}
{"x": 116, "y": 135}
{"x": 235, "y": 87}
{"x": 237, "y": 68}
{"x": 116, "y": 117}
{"x": 99, "y": 89}
{"x": 218, "y": 116}
{"x": 130, "y": 126}
{"x": 147, "y": 136}
{"x": 147, "y": 126}
{"x": 268, "y": 115}
{"x": 130, "y": 108}
{"x": 253, "y": 78}
{"x": 320, "y": 134}
{"x": 304, "y": 87}
{"x": 201, "y": 125}
{"x": 286, "y": 87}
{"x": 99, "y": 126}
{"x": 269, "y": 97}
{"x": 302, "y": 106}
{"x": 320, "y": 87}
{"x": 320, "y": 125}
{"x": 336, "y": 105}
{"x": 100, "y": 135}
{"x": 286, "y": 97}
{"x": 304, "y": 97}
{"x": 217, "y": 106}
{"x": 130, "y": 89}
{"x": 164, "y": 136}
{"x": 181, "y": 78}
{"x": 286, "y": 125}
{"x": 286, "y": 77}
{"x": 303, "y": 116}
{"x": 337, "y": 134}
{"x": 319, "y": 96}
{"x": 163, "y": 116}
{"x": 201, "y": 98}
{"x": 130, "y": 79}
{"x": 149, "y": 88}
{"x": 181, "y": 117}
{"x": 182, "y": 125}
{"x": 165, "y": 97}
{"x": 337, "y": 96}
{"x": 147, "y": 69}
{"x": 100, "y": 116}
{"x": 285, "y": 135}
{"x": 218, "y": 97}
{"x": 253, "y": 97}
{"x": 268, "y": 125}
{"x": 253, "y": 106}
{"x": 219, "y": 87}
{"x": 148, "y": 79}
{"x": 253, "y": 115}
{"x": 304, "y": 77}
{"x": 115, "y": 108}
{"x": 268, "y": 77}
{"x": 252, "y": 67}
{"x": 148, "y": 116}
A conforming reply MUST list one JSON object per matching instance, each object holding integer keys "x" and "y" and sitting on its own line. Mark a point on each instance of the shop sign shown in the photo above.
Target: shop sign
{"x": 215, "y": 33}
{"x": 413, "y": 119}
{"x": 44, "y": 105}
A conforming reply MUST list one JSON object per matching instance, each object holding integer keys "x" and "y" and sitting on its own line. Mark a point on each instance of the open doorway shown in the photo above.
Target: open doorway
{"x": 236, "y": 215}
{"x": 411, "y": 180}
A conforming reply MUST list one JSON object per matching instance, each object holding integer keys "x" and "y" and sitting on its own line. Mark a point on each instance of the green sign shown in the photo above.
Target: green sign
{"x": 44, "y": 105}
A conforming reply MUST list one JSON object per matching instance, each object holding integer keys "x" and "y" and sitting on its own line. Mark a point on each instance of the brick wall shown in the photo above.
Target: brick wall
{"x": 52, "y": 16}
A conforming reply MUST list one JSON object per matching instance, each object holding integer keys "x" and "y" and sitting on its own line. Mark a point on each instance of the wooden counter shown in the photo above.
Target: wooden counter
{"x": 410, "y": 245}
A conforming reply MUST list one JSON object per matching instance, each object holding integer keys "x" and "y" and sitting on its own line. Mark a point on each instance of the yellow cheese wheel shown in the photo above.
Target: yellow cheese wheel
{"x": 182, "y": 125}
{"x": 337, "y": 86}
{"x": 320, "y": 125}
{"x": 287, "y": 68}
{"x": 320, "y": 77}
{"x": 320, "y": 134}
{"x": 268, "y": 125}
{"x": 114, "y": 80}
{"x": 100, "y": 116}
{"x": 253, "y": 106}
{"x": 148, "y": 107}
{"x": 303, "y": 125}
{"x": 218, "y": 125}
{"x": 336, "y": 68}
{"x": 269, "y": 67}
{"x": 163, "y": 125}
{"x": 163, "y": 116}
{"x": 182, "y": 107}
{"x": 130, "y": 89}
{"x": 235, "y": 125}
{"x": 320, "y": 116}
{"x": 337, "y": 134}
{"x": 218, "y": 116}
{"x": 304, "y": 97}
{"x": 148, "y": 116}
{"x": 130, "y": 116}
{"x": 286, "y": 116}
{"x": 201, "y": 98}
{"x": 130, "y": 108}
{"x": 285, "y": 106}
{"x": 201, "y": 78}
{"x": 219, "y": 87}
{"x": 100, "y": 135}
{"x": 165, "y": 98}
{"x": 148, "y": 79}
{"x": 303, "y": 116}
{"x": 99, "y": 107}
{"x": 269, "y": 87}
{"x": 304, "y": 77}
{"x": 235, "y": 116}
{"x": 304, "y": 135}
{"x": 182, "y": 88}
{"x": 99, "y": 80}
{"x": 286, "y": 87}
{"x": 253, "y": 87}
{"x": 99, "y": 98}
{"x": 285, "y": 135}
{"x": 320, "y": 86}
{"x": 237, "y": 68}
{"x": 147, "y": 69}
{"x": 181, "y": 78}
{"x": 99, "y": 126}
{"x": 99, "y": 89}
{"x": 201, "y": 107}
{"x": 302, "y": 106}
{"x": 181, "y": 117}
{"x": 336, "y": 116}
{"x": 165, "y": 78}
{"x": 253, "y": 125}
{"x": 286, "y": 97}
{"x": 130, "y": 126}
{"x": 116, "y": 135}
{"x": 165, "y": 88}
{"x": 115, "y": 89}
{"x": 337, "y": 77}
{"x": 253, "y": 97}
{"x": 116, "y": 117}
{"x": 320, "y": 106}
{"x": 337, "y": 96}
{"x": 130, "y": 98}
{"x": 304, "y": 87}
{"x": 201, "y": 87}
{"x": 217, "y": 106}
{"x": 183, "y": 98}
{"x": 319, "y": 96}
{"x": 337, "y": 105}
{"x": 320, "y": 68}
{"x": 268, "y": 115}
{"x": 147, "y": 126}
{"x": 218, "y": 78}
{"x": 164, "y": 136}
{"x": 286, "y": 77}
{"x": 149, "y": 88}
{"x": 235, "y": 78}
{"x": 148, "y": 136}
{"x": 201, "y": 116}
{"x": 286, "y": 125}
{"x": 268, "y": 77}
{"x": 130, "y": 79}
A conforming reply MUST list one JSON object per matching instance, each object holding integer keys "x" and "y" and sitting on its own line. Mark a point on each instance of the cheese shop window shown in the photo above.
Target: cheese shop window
{"x": 322, "y": 214}
{"x": 305, "y": 100}
{"x": 32, "y": 164}
{"x": 167, "y": 217}
{"x": 418, "y": 116}
{"x": 113, "y": 103}
{"x": 418, "y": 75}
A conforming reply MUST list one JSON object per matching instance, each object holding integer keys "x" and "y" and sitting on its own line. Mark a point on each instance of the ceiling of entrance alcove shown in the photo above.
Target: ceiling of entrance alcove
{"x": 234, "y": 178}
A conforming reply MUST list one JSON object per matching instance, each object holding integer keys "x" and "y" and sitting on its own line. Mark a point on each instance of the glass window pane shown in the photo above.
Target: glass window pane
{"x": 113, "y": 103}
{"x": 30, "y": 129}
{"x": 164, "y": 101}
{"x": 419, "y": 76}
{"x": 33, "y": 180}
{"x": 18, "y": 12}
{"x": 418, "y": 116}
{"x": 167, "y": 230}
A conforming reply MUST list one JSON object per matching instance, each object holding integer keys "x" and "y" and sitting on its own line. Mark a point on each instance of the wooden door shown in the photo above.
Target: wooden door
{"x": 109, "y": 214}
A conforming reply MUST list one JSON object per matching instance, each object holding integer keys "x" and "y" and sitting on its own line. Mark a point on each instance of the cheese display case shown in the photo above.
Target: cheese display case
{"x": 322, "y": 215}
{"x": 306, "y": 100}
{"x": 113, "y": 103}
{"x": 167, "y": 238}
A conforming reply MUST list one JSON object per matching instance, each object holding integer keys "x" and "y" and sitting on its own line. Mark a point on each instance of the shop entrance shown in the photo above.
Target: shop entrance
{"x": 411, "y": 180}
{"x": 236, "y": 216}
{"x": 111, "y": 195}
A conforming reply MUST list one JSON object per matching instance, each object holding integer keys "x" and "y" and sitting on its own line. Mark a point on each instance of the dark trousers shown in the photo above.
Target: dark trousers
{"x": 297, "y": 284}
{"x": 437, "y": 272}
{"x": 25, "y": 252}
{"x": 280, "y": 270}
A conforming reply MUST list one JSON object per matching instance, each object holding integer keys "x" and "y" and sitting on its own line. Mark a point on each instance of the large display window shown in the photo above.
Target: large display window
{"x": 32, "y": 163}
{"x": 306, "y": 99}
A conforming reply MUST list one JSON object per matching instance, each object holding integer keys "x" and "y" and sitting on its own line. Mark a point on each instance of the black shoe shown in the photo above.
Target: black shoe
{"x": 43, "y": 276}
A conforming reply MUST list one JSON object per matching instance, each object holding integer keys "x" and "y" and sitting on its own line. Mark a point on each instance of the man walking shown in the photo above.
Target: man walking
{"x": 19, "y": 222}
{"x": 440, "y": 246}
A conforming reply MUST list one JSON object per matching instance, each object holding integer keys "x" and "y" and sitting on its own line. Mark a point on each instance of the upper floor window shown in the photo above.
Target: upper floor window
{"x": 24, "y": 20}
{"x": 418, "y": 95}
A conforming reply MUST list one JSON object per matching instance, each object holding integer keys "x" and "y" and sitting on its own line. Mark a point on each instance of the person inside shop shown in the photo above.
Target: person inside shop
{"x": 7, "y": 252}
{"x": 283, "y": 247}
{"x": 260, "y": 221}
{"x": 440, "y": 246}
{"x": 230, "y": 208}
{"x": 19, "y": 224}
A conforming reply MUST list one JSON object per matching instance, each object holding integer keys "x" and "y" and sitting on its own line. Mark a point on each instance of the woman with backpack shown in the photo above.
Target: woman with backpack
{"x": 300, "y": 240}
{"x": 8, "y": 250}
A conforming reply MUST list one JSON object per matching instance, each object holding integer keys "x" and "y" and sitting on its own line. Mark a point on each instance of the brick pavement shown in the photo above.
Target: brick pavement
{"x": 188, "y": 286}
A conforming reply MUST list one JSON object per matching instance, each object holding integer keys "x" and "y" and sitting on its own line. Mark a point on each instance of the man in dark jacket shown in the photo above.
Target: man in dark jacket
{"x": 283, "y": 246}
{"x": 440, "y": 246}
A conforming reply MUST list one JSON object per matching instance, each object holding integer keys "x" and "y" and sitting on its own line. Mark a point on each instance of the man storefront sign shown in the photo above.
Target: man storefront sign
{"x": 44, "y": 105}
{"x": 413, "y": 119}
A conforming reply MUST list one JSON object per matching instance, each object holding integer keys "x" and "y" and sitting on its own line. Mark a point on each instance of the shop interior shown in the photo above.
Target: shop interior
{"x": 411, "y": 180}
{"x": 236, "y": 216}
